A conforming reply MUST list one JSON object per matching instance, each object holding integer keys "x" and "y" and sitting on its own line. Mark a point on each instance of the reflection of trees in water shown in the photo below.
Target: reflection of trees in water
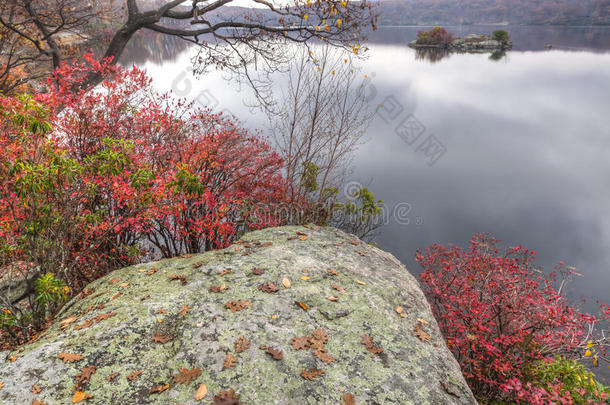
{"x": 431, "y": 55}
{"x": 497, "y": 56}
{"x": 153, "y": 47}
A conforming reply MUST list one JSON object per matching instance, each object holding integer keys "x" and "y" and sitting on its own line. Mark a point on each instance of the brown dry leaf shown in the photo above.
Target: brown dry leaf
{"x": 286, "y": 282}
{"x": 197, "y": 265}
{"x": 370, "y": 345}
{"x": 268, "y": 288}
{"x": 348, "y": 399}
{"x": 36, "y": 389}
{"x": 332, "y": 272}
{"x": 86, "y": 292}
{"x": 114, "y": 281}
{"x": 337, "y": 243}
{"x": 1, "y": 385}
{"x": 236, "y": 306}
{"x": 12, "y": 359}
{"x": 185, "y": 376}
{"x": 230, "y": 361}
{"x": 266, "y": 244}
{"x": 301, "y": 233}
{"x": 275, "y": 353}
{"x": 241, "y": 345}
{"x": 321, "y": 335}
{"x": 324, "y": 356}
{"x": 399, "y": 309}
{"x": 64, "y": 323}
{"x": 219, "y": 288}
{"x": 332, "y": 298}
{"x": 80, "y": 396}
{"x": 300, "y": 343}
{"x": 124, "y": 285}
{"x": 70, "y": 357}
{"x": 84, "y": 376}
{"x": 112, "y": 376}
{"x": 360, "y": 282}
{"x": 201, "y": 392}
{"x": 302, "y": 305}
{"x": 226, "y": 398}
{"x": 354, "y": 242}
{"x": 134, "y": 375}
{"x": 161, "y": 338}
{"x": 258, "y": 272}
{"x": 185, "y": 310}
{"x": 152, "y": 271}
{"x": 418, "y": 330}
{"x": 117, "y": 295}
{"x": 144, "y": 298}
{"x": 361, "y": 253}
{"x": 338, "y": 288}
{"x": 178, "y": 277}
{"x": 303, "y": 238}
{"x": 157, "y": 389}
{"x": 423, "y": 321}
{"x": 105, "y": 316}
{"x": 84, "y": 325}
{"x": 37, "y": 401}
{"x": 238, "y": 248}
{"x": 223, "y": 272}
{"x": 161, "y": 311}
{"x": 312, "y": 374}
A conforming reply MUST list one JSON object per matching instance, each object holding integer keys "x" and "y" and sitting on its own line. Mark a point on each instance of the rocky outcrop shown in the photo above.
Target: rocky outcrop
{"x": 469, "y": 44}
{"x": 290, "y": 315}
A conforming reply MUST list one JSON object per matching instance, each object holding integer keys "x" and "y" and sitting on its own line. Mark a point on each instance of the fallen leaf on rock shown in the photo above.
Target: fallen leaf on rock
{"x": 112, "y": 376}
{"x": 105, "y": 316}
{"x": 117, "y": 295}
{"x": 258, "y": 272}
{"x": 360, "y": 282}
{"x": 144, "y": 298}
{"x": 201, "y": 392}
{"x": 399, "y": 309}
{"x": 86, "y": 292}
{"x": 361, "y": 253}
{"x": 241, "y": 345}
{"x": 182, "y": 279}
{"x": 114, "y": 281}
{"x": 301, "y": 233}
{"x": 185, "y": 309}
{"x": 303, "y": 238}
{"x": 324, "y": 356}
{"x": 312, "y": 374}
{"x": 338, "y": 288}
{"x": 84, "y": 376}
{"x": 12, "y": 359}
{"x": 293, "y": 237}
{"x": 226, "y": 398}
{"x": 332, "y": 298}
{"x": 266, "y": 244}
{"x": 152, "y": 271}
{"x": 84, "y": 325}
{"x": 337, "y": 243}
{"x": 332, "y": 272}
{"x": 161, "y": 338}
{"x": 134, "y": 375}
{"x": 230, "y": 361}
{"x": 219, "y": 288}
{"x": 124, "y": 285}
{"x": 197, "y": 265}
{"x": 238, "y": 248}
{"x": 1, "y": 385}
{"x": 286, "y": 282}
{"x": 354, "y": 242}
{"x": 185, "y": 376}
{"x": 370, "y": 345}
{"x": 70, "y": 357}
{"x": 161, "y": 311}
{"x": 247, "y": 245}
{"x": 304, "y": 278}
{"x": 348, "y": 399}
{"x": 321, "y": 335}
{"x": 36, "y": 389}
{"x": 223, "y": 272}
{"x": 64, "y": 323}
{"x": 37, "y": 401}
{"x": 268, "y": 288}
{"x": 418, "y": 330}
{"x": 275, "y": 353}
{"x": 423, "y": 321}
{"x": 236, "y": 306}
{"x": 300, "y": 343}
{"x": 80, "y": 396}
{"x": 157, "y": 389}
{"x": 302, "y": 305}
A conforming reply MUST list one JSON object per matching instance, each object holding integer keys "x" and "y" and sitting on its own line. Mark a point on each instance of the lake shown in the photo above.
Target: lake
{"x": 518, "y": 147}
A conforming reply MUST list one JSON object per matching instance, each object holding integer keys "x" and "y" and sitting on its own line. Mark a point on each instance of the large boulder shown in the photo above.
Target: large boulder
{"x": 162, "y": 332}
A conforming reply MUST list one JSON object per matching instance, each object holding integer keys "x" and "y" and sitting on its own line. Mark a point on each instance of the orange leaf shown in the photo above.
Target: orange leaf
{"x": 201, "y": 392}
{"x": 70, "y": 357}
{"x": 80, "y": 396}
{"x": 302, "y": 305}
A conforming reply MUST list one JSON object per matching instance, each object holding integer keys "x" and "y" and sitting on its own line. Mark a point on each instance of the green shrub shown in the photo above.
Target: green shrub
{"x": 501, "y": 35}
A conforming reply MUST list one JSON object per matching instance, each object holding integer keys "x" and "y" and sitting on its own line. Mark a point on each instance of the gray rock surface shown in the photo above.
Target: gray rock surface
{"x": 120, "y": 327}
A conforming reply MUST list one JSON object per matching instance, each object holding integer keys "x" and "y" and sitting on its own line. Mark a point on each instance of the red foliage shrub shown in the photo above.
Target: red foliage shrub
{"x": 437, "y": 36}
{"x": 500, "y": 317}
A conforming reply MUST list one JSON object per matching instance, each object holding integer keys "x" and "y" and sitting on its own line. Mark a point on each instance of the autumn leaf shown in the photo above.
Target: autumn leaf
{"x": 302, "y": 305}
{"x": 70, "y": 357}
{"x": 301, "y": 233}
{"x": 161, "y": 311}
{"x": 36, "y": 389}
{"x": 241, "y": 345}
{"x": 258, "y": 272}
{"x": 12, "y": 359}
{"x": 1, "y": 385}
{"x": 360, "y": 282}
{"x": 303, "y": 238}
{"x": 185, "y": 376}
{"x": 332, "y": 272}
{"x": 112, "y": 376}
{"x": 185, "y": 309}
{"x": 114, "y": 281}
{"x": 152, "y": 271}
{"x": 201, "y": 392}
{"x": 293, "y": 237}
{"x": 276, "y": 354}
{"x": 299, "y": 343}
{"x": 418, "y": 330}
{"x": 348, "y": 399}
{"x": 354, "y": 242}
{"x": 197, "y": 265}
{"x": 286, "y": 282}
{"x": 86, "y": 292}
{"x": 236, "y": 306}
{"x": 332, "y": 298}
{"x": 266, "y": 244}
{"x": 84, "y": 376}
{"x": 124, "y": 285}
{"x": 84, "y": 325}
{"x": 162, "y": 338}
{"x": 312, "y": 374}
{"x": 64, "y": 323}
{"x": 105, "y": 316}
{"x": 80, "y": 396}
{"x": 338, "y": 288}
{"x": 219, "y": 288}
{"x": 117, "y": 295}
{"x": 226, "y": 398}
{"x": 37, "y": 401}
{"x": 268, "y": 288}
{"x": 224, "y": 272}
{"x": 175, "y": 277}
{"x": 370, "y": 345}
{"x": 321, "y": 335}
{"x": 157, "y": 389}
{"x": 134, "y": 375}
{"x": 323, "y": 355}
{"x": 305, "y": 278}
{"x": 230, "y": 361}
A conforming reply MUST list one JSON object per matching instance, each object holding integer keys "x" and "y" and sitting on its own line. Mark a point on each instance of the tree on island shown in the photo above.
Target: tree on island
{"x": 37, "y": 35}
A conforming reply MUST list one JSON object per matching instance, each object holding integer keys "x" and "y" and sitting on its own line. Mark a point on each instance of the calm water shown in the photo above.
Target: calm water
{"x": 525, "y": 142}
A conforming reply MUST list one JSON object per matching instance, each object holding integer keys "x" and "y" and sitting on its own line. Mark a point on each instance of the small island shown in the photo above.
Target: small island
{"x": 439, "y": 38}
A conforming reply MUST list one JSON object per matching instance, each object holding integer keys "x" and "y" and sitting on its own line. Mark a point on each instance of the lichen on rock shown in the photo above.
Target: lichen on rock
{"x": 169, "y": 321}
